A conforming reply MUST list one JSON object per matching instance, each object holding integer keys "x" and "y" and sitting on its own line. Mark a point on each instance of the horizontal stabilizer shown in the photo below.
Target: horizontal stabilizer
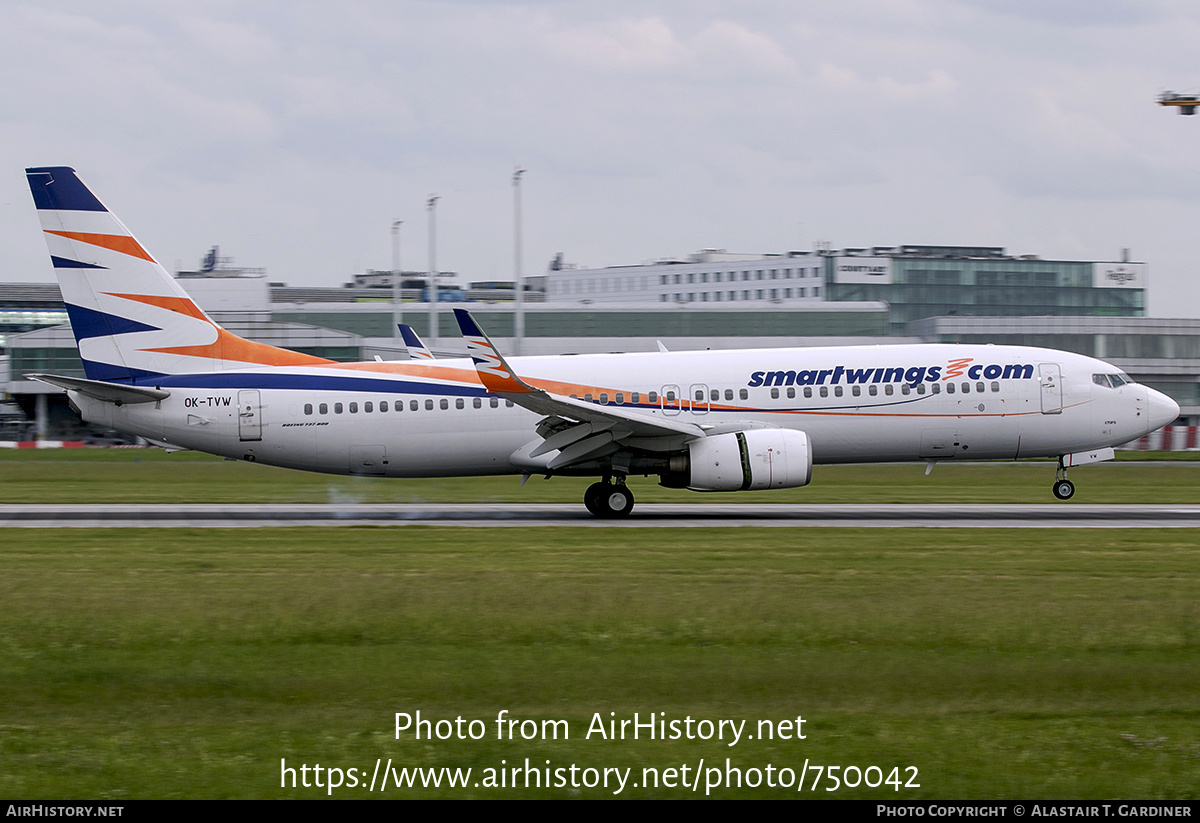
{"x": 111, "y": 392}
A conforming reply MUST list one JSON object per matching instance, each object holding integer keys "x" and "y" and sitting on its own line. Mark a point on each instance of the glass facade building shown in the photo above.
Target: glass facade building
{"x": 940, "y": 281}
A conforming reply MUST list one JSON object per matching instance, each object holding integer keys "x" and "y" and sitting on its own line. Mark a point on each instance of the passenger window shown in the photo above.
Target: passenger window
{"x": 337, "y": 408}
{"x": 856, "y": 390}
{"x": 774, "y": 394}
{"x": 323, "y": 408}
{"x": 588, "y": 397}
{"x": 368, "y": 407}
{"x": 949, "y": 388}
{"x": 995, "y": 387}
{"x": 495, "y": 402}
{"x": 979, "y": 387}
{"x": 966, "y": 388}
{"x": 635, "y": 398}
{"x": 743, "y": 394}
{"x": 791, "y": 391}
{"x": 889, "y": 389}
{"x": 670, "y": 395}
{"x": 412, "y": 405}
{"x": 428, "y": 405}
{"x": 808, "y": 391}
{"x": 652, "y": 397}
{"x": 458, "y": 404}
{"x": 354, "y": 408}
{"x": 477, "y": 403}
{"x": 444, "y": 403}
{"x": 906, "y": 389}
{"x": 920, "y": 388}
{"x": 936, "y": 388}
{"x": 508, "y": 403}
{"x": 715, "y": 394}
{"x": 308, "y": 408}
{"x": 729, "y": 394}
{"x": 872, "y": 390}
{"x": 603, "y": 398}
{"x": 837, "y": 391}
{"x": 620, "y": 398}
{"x": 383, "y": 406}
{"x": 824, "y": 391}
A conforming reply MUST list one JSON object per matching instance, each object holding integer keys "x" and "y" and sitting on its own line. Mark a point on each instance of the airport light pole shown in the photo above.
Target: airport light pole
{"x": 431, "y": 206}
{"x": 518, "y": 281}
{"x": 397, "y": 293}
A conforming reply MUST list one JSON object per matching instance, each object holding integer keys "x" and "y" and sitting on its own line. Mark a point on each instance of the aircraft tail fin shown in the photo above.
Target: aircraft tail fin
{"x": 417, "y": 349}
{"x": 130, "y": 318}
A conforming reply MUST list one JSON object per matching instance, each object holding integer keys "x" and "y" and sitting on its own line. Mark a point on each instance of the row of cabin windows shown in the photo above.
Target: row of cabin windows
{"x": 888, "y": 389}
{"x": 714, "y": 395}
{"x": 652, "y": 397}
{"x": 369, "y": 406}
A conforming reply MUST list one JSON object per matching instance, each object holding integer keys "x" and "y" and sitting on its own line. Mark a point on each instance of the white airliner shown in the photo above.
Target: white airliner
{"x": 158, "y": 367}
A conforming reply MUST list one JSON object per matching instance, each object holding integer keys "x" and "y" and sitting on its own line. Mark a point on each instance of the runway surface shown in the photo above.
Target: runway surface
{"x": 1041, "y": 516}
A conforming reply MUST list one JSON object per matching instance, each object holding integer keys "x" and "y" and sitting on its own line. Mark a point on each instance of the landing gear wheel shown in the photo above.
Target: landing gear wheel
{"x": 1064, "y": 489}
{"x": 608, "y": 500}
{"x": 591, "y": 498}
{"x": 618, "y": 502}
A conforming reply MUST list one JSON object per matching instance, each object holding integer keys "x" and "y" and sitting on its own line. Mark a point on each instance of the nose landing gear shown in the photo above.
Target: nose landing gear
{"x": 609, "y": 498}
{"x": 1063, "y": 488}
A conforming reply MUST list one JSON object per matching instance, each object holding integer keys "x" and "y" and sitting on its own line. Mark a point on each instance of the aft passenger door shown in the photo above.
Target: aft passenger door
{"x": 249, "y": 415}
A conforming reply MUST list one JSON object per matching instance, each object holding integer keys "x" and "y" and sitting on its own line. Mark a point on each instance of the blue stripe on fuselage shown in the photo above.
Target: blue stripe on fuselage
{"x": 111, "y": 373}
{"x": 314, "y": 383}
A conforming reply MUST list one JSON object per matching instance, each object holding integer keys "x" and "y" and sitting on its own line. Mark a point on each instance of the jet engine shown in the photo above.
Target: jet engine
{"x": 744, "y": 460}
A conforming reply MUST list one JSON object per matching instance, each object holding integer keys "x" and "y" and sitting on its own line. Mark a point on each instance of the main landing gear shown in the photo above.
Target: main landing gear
{"x": 609, "y": 498}
{"x": 1064, "y": 489}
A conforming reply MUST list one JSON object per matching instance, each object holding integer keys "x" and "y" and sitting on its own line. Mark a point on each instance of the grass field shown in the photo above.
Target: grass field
{"x": 999, "y": 663}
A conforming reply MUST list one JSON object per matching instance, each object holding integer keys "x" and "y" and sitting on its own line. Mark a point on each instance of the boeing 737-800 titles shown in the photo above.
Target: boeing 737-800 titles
{"x": 158, "y": 367}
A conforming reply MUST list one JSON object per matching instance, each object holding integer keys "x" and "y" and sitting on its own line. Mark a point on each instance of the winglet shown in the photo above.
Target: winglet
{"x": 495, "y": 373}
{"x": 416, "y": 346}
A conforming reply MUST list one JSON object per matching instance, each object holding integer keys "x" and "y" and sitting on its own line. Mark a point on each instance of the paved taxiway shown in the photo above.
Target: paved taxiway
{"x": 1042, "y": 516}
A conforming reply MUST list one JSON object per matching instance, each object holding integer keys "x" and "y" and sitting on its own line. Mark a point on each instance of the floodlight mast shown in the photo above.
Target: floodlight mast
{"x": 431, "y": 206}
{"x": 518, "y": 279}
{"x": 397, "y": 295}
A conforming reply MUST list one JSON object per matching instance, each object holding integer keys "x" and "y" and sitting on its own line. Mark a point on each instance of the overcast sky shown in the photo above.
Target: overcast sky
{"x": 293, "y": 133}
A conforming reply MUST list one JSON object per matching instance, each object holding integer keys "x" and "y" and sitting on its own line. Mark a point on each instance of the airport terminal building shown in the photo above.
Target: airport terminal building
{"x": 915, "y": 281}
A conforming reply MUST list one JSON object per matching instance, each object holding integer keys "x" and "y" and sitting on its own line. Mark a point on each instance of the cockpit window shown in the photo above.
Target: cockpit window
{"x": 1112, "y": 381}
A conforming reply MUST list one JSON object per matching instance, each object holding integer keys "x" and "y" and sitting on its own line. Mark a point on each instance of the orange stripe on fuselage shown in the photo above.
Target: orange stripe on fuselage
{"x": 122, "y": 243}
{"x": 470, "y": 375}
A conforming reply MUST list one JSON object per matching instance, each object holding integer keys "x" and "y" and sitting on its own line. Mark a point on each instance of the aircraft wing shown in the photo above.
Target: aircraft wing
{"x": 577, "y": 429}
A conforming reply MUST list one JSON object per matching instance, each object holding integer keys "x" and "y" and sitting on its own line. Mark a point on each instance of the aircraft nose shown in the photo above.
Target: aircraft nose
{"x": 1162, "y": 410}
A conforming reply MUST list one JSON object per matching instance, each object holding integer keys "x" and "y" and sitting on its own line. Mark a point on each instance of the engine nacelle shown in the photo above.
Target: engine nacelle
{"x": 750, "y": 459}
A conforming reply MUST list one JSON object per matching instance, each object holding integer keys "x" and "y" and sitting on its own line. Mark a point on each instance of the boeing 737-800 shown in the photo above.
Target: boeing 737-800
{"x": 158, "y": 367}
